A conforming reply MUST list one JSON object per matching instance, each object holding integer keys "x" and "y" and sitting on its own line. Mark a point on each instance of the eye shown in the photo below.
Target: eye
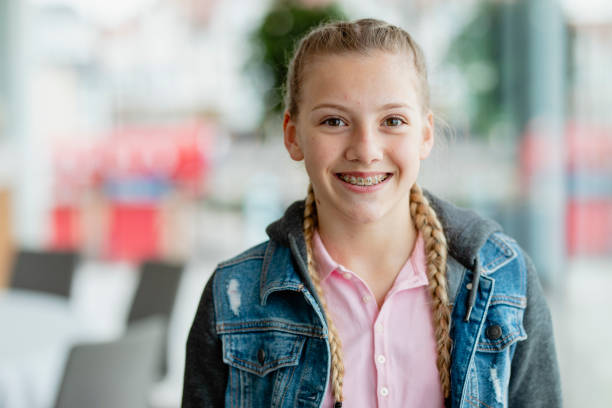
{"x": 394, "y": 121}
{"x": 334, "y": 122}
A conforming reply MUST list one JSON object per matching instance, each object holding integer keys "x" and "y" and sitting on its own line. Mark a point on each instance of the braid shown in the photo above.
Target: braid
{"x": 337, "y": 366}
{"x": 427, "y": 223}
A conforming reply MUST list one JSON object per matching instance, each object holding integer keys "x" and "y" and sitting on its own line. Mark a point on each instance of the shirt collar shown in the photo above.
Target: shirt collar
{"x": 325, "y": 264}
{"x": 413, "y": 273}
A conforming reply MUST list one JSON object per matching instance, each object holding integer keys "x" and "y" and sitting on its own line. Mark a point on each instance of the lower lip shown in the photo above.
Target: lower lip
{"x": 364, "y": 189}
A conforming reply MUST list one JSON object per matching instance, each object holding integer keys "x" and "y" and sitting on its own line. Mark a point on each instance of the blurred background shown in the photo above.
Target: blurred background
{"x": 140, "y": 145}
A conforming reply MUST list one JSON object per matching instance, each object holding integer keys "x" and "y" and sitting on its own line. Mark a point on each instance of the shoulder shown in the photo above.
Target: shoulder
{"x": 500, "y": 250}
{"x": 234, "y": 283}
{"x": 254, "y": 253}
{"x": 502, "y": 259}
{"x": 244, "y": 268}
{"x": 245, "y": 280}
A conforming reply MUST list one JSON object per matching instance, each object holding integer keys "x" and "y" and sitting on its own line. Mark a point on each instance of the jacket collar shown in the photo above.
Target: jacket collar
{"x": 466, "y": 232}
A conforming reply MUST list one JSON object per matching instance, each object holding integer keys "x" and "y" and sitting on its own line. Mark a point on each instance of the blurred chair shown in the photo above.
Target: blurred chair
{"x": 117, "y": 374}
{"x": 44, "y": 271}
{"x": 156, "y": 295}
{"x": 156, "y": 291}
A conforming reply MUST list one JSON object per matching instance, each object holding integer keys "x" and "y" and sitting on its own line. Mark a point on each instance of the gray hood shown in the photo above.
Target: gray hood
{"x": 466, "y": 232}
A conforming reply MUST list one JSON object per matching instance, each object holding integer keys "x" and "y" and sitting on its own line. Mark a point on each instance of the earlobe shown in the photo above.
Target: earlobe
{"x": 290, "y": 138}
{"x": 428, "y": 137}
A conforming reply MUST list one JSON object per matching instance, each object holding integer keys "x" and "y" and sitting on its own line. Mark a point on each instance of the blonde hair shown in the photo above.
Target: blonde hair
{"x": 363, "y": 36}
{"x": 360, "y": 36}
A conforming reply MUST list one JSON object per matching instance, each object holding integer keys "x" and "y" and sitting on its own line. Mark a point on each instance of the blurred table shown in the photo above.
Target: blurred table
{"x": 37, "y": 332}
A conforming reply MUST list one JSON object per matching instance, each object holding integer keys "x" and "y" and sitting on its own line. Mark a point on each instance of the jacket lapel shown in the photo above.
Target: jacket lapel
{"x": 278, "y": 272}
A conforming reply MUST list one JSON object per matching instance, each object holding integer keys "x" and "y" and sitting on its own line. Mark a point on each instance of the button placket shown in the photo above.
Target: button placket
{"x": 380, "y": 330}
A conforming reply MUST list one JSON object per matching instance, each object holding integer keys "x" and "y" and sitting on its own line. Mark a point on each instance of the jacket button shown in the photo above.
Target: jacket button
{"x": 493, "y": 332}
{"x": 261, "y": 356}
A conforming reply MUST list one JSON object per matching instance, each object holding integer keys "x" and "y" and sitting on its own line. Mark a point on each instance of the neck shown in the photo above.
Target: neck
{"x": 368, "y": 248}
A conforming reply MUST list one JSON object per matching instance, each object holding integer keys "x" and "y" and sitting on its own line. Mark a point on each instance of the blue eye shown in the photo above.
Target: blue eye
{"x": 334, "y": 122}
{"x": 393, "y": 122}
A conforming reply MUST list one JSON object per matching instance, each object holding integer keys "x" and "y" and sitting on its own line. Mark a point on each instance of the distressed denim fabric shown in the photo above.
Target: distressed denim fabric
{"x": 484, "y": 346}
{"x": 259, "y": 338}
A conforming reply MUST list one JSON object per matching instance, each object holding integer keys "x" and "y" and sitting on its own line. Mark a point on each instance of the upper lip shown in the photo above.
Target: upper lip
{"x": 363, "y": 173}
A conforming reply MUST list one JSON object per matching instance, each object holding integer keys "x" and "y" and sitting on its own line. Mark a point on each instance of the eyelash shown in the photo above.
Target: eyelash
{"x": 401, "y": 120}
{"x": 326, "y": 121}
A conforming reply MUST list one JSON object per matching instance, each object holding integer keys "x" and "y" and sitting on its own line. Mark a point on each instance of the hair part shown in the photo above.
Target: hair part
{"x": 361, "y": 36}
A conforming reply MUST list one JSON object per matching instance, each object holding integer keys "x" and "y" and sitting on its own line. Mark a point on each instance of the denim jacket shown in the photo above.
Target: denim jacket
{"x": 259, "y": 337}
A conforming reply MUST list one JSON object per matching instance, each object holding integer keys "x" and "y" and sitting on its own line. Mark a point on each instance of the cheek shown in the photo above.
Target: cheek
{"x": 315, "y": 165}
{"x": 319, "y": 154}
{"x": 406, "y": 151}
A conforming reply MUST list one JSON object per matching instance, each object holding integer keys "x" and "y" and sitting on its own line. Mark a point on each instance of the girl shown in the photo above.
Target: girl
{"x": 371, "y": 292}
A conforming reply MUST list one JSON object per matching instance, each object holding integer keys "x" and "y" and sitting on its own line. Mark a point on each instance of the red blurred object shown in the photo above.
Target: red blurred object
{"x": 588, "y": 176}
{"x": 588, "y": 147}
{"x": 179, "y": 153}
{"x": 176, "y": 157}
{"x": 134, "y": 231}
{"x": 66, "y": 228}
{"x": 589, "y": 226}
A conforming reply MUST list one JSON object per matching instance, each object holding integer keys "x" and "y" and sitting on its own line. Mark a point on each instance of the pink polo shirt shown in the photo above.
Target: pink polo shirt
{"x": 389, "y": 354}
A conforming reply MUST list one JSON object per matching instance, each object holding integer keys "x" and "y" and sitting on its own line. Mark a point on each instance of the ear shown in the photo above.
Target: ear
{"x": 290, "y": 138}
{"x": 427, "y": 141}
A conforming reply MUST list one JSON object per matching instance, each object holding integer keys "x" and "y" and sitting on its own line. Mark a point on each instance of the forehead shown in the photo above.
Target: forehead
{"x": 372, "y": 79}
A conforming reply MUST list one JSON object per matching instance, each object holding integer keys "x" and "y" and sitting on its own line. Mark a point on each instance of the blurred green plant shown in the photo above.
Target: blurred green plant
{"x": 477, "y": 52}
{"x": 273, "y": 43}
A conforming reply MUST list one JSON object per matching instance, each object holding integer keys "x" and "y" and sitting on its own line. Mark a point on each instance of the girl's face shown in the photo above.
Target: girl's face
{"x": 362, "y": 133}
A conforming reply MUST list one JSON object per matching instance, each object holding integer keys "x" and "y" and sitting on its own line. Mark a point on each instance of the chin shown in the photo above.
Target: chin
{"x": 365, "y": 214}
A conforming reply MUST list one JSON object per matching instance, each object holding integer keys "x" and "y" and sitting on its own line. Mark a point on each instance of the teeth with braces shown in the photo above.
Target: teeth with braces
{"x": 361, "y": 181}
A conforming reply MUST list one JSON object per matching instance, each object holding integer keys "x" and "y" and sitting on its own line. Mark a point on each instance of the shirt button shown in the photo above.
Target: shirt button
{"x": 346, "y": 275}
{"x": 469, "y": 286}
{"x": 366, "y": 299}
{"x": 381, "y": 359}
{"x": 378, "y": 327}
{"x": 384, "y": 391}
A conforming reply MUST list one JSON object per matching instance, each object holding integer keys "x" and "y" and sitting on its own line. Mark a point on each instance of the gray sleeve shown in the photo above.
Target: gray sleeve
{"x": 205, "y": 372}
{"x": 534, "y": 379}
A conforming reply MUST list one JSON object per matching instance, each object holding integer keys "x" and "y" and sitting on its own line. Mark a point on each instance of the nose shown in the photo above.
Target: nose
{"x": 364, "y": 145}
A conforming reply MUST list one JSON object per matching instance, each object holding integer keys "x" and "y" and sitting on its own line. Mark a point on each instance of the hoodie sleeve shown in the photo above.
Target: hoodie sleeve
{"x": 535, "y": 380}
{"x": 205, "y": 373}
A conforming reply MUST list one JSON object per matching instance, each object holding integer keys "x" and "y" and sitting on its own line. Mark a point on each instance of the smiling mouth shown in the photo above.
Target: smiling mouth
{"x": 363, "y": 181}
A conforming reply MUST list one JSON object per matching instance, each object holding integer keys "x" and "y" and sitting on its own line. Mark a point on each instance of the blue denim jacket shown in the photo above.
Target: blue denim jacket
{"x": 259, "y": 338}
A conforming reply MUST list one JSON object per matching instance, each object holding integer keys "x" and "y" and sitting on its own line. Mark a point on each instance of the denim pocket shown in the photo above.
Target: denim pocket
{"x": 503, "y": 326}
{"x": 262, "y": 365}
{"x": 260, "y": 353}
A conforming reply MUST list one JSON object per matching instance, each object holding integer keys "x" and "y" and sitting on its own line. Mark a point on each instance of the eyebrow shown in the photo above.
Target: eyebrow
{"x": 340, "y": 107}
{"x": 396, "y": 105}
